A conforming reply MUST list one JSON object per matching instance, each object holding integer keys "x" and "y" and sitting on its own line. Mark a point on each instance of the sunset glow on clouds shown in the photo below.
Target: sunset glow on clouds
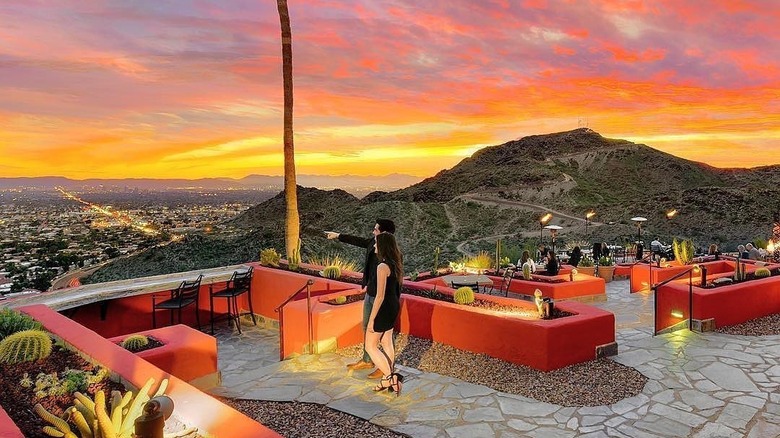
{"x": 113, "y": 89}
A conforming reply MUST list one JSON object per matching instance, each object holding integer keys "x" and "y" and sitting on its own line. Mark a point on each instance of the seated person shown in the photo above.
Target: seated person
{"x": 575, "y": 256}
{"x": 713, "y": 251}
{"x": 525, "y": 259}
{"x": 552, "y": 267}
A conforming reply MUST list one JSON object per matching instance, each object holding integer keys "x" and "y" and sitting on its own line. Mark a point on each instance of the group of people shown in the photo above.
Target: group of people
{"x": 383, "y": 275}
{"x": 546, "y": 257}
{"x": 748, "y": 251}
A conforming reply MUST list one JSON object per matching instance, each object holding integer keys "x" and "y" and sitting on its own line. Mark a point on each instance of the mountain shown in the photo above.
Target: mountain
{"x": 501, "y": 191}
{"x": 353, "y": 183}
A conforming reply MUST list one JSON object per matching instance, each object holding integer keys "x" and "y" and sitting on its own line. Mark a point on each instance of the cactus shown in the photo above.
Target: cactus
{"x": 683, "y": 251}
{"x": 341, "y": 299}
{"x": 25, "y": 346}
{"x": 436, "y": 254}
{"x": 739, "y": 270}
{"x": 539, "y": 301}
{"x": 526, "y": 271}
{"x": 12, "y": 321}
{"x": 269, "y": 257}
{"x": 135, "y": 342}
{"x": 464, "y": 295}
{"x": 294, "y": 260}
{"x": 97, "y": 418}
{"x": 762, "y": 272}
{"x": 331, "y": 272}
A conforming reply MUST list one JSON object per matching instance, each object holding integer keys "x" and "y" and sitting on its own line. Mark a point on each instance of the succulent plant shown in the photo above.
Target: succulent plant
{"x": 464, "y": 295}
{"x": 341, "y": 299}
{"x": 331, "y": 272}
{"x": 269, "y": 257}
{"x": 12, "y": 321}
{"x": 762, "y": 272}
{"x": 135, "y": 342}
{"x": 683, "y": 251}
{"x": 25, "y": 346}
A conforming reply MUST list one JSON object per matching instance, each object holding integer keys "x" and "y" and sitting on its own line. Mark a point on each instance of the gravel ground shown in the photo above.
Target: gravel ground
{"x": 768, "y": 325}
{"x": 595, "y": 383}
{"x": 293, "y": 419}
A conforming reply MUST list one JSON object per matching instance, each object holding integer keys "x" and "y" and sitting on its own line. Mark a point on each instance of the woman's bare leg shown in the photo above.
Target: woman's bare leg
{"x": 378, "y": 357}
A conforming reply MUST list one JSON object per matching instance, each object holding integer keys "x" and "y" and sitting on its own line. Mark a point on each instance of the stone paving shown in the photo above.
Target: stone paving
{"x": 700, "y": 385}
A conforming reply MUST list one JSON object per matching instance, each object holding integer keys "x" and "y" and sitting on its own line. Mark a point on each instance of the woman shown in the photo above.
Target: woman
{"x": 575, "y": 256}
{"x": 389, "y": 275}
{"x": 525, "y": 259}
{"x": 713, "y": 251}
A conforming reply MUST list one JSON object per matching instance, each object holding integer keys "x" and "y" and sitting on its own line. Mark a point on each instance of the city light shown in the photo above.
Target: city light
{"x": 122, "y": 218}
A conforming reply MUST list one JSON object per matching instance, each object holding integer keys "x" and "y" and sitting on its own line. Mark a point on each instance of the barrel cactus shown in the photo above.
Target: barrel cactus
{"x": 25, "y": 346}
{"x": 341, "y": 299}
{"x": 464, "y": 295}
{"x": 12, "y": 321}
{"x": 331, "y": 272}
{"x": 762, "y": 272}
{"x": 135, "y": 342}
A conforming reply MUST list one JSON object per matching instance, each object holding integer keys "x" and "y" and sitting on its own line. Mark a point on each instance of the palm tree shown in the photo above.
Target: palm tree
{"x": 292, "y": 223}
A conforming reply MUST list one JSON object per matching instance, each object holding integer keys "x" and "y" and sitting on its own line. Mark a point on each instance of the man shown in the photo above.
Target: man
{"x": 369, "y": 270}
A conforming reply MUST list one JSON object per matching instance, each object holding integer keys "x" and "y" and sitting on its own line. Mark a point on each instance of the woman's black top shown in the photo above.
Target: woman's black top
{"x": 552, "y": 266}
{"x": 390, "y": 306}
{"x": 575, "y": 258}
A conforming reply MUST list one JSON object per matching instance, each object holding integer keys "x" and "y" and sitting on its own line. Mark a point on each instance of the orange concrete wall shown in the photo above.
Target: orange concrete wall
{"x": 542, "y": 344}
{"x": 8, "y": 428}
{"x": 728, "y": 305}
{"x": 192, "y": 406}
{"x": 583, "y": 285}
{"x": 187, "y": 354}
{"x": 640, "y": 273}
{"x": 342, "y": 322}
{"x": 270, "y": 287}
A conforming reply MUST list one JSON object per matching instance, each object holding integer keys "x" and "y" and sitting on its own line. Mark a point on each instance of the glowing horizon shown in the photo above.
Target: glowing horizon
{"x": 107, "y": 89}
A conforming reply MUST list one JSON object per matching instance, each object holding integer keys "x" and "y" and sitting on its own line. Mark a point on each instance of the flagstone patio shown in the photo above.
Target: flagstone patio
{"x": 700, "y": 385}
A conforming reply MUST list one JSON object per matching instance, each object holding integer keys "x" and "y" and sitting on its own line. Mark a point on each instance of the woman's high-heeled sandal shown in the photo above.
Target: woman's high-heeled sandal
{"x": 385, "y": 383}
{"x": 396, "y": 381}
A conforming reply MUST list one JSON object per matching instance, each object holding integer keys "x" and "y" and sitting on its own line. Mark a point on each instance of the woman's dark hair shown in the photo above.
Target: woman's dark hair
{"x": 386, "y": 226}
{"x": 526, "y": 255}
{"x": 387, "y": 250}
{"x": 576, "y": 250}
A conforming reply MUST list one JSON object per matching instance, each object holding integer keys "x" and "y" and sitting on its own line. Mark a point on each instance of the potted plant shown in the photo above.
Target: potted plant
{"x": 606, "y": 268}
{"x": 586, "y": 266}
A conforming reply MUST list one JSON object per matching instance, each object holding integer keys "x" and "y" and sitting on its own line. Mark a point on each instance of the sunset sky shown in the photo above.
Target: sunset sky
{"x": 190, "y": 89}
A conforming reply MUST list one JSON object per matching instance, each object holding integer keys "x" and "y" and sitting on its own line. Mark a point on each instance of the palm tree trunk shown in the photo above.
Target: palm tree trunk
{"x": 292, "y": 223}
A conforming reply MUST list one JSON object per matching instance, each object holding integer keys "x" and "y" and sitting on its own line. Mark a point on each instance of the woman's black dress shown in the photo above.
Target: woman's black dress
{"x": 390, "y": 306}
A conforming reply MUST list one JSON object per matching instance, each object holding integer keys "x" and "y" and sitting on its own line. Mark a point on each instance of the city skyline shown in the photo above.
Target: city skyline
{"x": 180, "y": 90}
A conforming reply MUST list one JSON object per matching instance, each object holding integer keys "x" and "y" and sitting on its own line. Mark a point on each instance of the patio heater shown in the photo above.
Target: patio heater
{"x": 553, "y": 234}
{"x": 639, "y": 220}
{"x": 542, "y": 221}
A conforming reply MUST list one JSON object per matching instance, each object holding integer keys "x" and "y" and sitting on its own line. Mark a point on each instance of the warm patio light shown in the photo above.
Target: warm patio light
{"x": 588, "y": 216}
{"x": 677, "y": 314}
{"x": 696, "y": 269}
{"x": 770, "y": 247}
{"x": 543, "y": 220}
{"x": 671, "y": 213}
{"x": 152, "y": 420}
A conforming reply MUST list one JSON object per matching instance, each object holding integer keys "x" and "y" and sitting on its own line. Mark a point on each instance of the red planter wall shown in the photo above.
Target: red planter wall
{"x": 640, "y": 273}
{"x": 191, "y": 405}
{"x": 728, "y": 305}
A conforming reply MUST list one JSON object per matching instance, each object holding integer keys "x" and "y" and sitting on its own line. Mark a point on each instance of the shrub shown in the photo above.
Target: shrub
{"x": 464, "y": 295}
{"x": 336, "y": 260}
{"x": 762, "y": 272}
{"x": 605, "y": 261}
{"x": 135, "y": 342}
{"x": 331, "y": 272}
{"x": 25, "y": 346}
{"x": 482, "y": 261}
{"x": 269, "y": 257}
{"x": 12, "y": 321}
{"x": 586, "y": 262}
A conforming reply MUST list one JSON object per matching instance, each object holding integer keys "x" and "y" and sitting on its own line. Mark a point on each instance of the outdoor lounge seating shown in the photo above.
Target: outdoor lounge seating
{"x": 240, "y": 283}
{"x": 181, "y": 297}
{"x": 473, "y": 286}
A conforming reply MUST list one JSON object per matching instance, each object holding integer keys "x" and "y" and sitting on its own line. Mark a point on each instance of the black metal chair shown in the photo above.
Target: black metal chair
{"x": 506, "y": 281}
{"x": 473, "y": 286}
{"x": 181, "y": 297}
{"x": 239, "y": 284}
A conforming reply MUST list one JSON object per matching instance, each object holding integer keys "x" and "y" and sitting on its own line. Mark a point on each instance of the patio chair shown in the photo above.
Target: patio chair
{"x": 473, "y": 286}
{"x": 240, "y": 283}
{"x": 503, "y": 288}
{"x": 181, "y": 297}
